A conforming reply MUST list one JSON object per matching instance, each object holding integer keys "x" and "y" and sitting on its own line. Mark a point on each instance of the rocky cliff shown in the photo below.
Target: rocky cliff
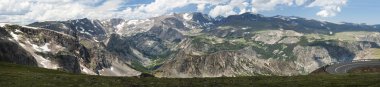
{"x": 54, "y": 50}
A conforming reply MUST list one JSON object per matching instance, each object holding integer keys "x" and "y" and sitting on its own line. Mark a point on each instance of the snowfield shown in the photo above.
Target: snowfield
{"x": 2, "y": 24}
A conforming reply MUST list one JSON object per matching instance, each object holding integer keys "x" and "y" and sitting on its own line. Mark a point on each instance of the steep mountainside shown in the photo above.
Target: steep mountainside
{"x": 54, "y": 50}
{"x": 197, "y": 45}
{"x": 12, "y": 52}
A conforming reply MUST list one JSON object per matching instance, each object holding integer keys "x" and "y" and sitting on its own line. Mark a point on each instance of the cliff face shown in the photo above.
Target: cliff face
{"x": 225, "y": 63}
{"x": 55, "y": 50}
{"x": 12, "y": 52}
{"x": 196, "y": 45}
{"x": 301, "y": 59}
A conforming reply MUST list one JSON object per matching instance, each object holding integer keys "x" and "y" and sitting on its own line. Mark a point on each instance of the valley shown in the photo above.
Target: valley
{"x": 188, "y": 45}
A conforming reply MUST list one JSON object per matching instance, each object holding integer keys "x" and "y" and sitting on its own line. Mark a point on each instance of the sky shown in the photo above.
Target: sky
{"x": 28, "y": 11}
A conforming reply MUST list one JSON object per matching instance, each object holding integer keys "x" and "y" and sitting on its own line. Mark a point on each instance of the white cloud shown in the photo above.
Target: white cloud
{"x": 230, "y": 7}
{"x": 267, "y": 5}
{"x": 222, "y": 10}
{"x": 49, "y": 10}
{"x": 201, "y": 7}
{"x": 328, "y": 7}
{"x": 13, "y": 7}
{"x": 27, "y": 11}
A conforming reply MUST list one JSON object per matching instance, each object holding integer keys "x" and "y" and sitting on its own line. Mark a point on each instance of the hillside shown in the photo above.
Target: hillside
{"x": 23, "y": 76}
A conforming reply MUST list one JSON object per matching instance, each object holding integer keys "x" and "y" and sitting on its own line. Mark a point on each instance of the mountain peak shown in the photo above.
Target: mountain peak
{"x": 251, "y": 14}
{"x": 246, "y": 16}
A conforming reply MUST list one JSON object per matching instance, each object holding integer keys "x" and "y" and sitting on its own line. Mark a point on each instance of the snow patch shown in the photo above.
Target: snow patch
{"x": 64, "y": 27}
{"x": 110, "y": 72}
{"x": 119, "y": 27}
{"x": 208, "y": 24}
{"x": 30, "y": 27}
{"x": 293, "y": 18}
{"x": 45, "y": 63}
{"x": 186, "y": 25}
{"x": 43, "y": 48}
{"x": 149, "y": 43}
{"x": 85, "y": 33}
{"x": 134, "y": 22}
{"x": 3, "y": 24}
{"x": 91, "y": 30}
{"x": 18, "y": 31}
{"x": 133, "y": 27}
{"x": 118, "y": 70}
{"x": 95, "y": 40}
{"x": 85, "y": 70}
{"x": 81, "y": 28}
{"x": 282, "y": 18}
{"x": 42, "y": 62}
{"x": 15, "y": 36}
{"x": 187, "y": 16}
{"x": 245, "y": 28}
{"x": 286, "y": 18}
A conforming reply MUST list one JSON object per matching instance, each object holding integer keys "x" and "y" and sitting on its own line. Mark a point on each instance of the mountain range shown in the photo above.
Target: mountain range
{"x": 189, "y": 45}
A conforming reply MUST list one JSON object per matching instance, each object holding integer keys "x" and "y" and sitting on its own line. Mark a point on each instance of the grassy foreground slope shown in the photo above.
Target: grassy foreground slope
{"x": 24, "y": 76}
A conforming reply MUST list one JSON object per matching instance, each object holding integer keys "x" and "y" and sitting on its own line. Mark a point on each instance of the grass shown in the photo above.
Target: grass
{"x": 365, "y": 69}
{"x": 343, "y": 36}
{"x": 215, "y": 44}
{"x": 87, "y": 43}
{"x": 375, "y": 53}
{"x": 12, "y": 75}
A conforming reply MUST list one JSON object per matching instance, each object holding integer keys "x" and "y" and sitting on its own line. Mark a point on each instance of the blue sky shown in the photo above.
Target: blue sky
{"x": 360, "y": 11}
{"x": 27, "y": 11}
{"x": 357, "y": 11}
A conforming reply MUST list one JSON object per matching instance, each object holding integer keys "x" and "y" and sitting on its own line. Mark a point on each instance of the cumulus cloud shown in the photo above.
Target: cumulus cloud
{"x": 7, "y": 7}
{"x": 201, "y": 7}
{"x": 49, "y": 10}
{"x": 328, "y": 7}
{"x": 25, "y": 11}
{"x": 264, "y": 5}
{"x": 222, "y": 10}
